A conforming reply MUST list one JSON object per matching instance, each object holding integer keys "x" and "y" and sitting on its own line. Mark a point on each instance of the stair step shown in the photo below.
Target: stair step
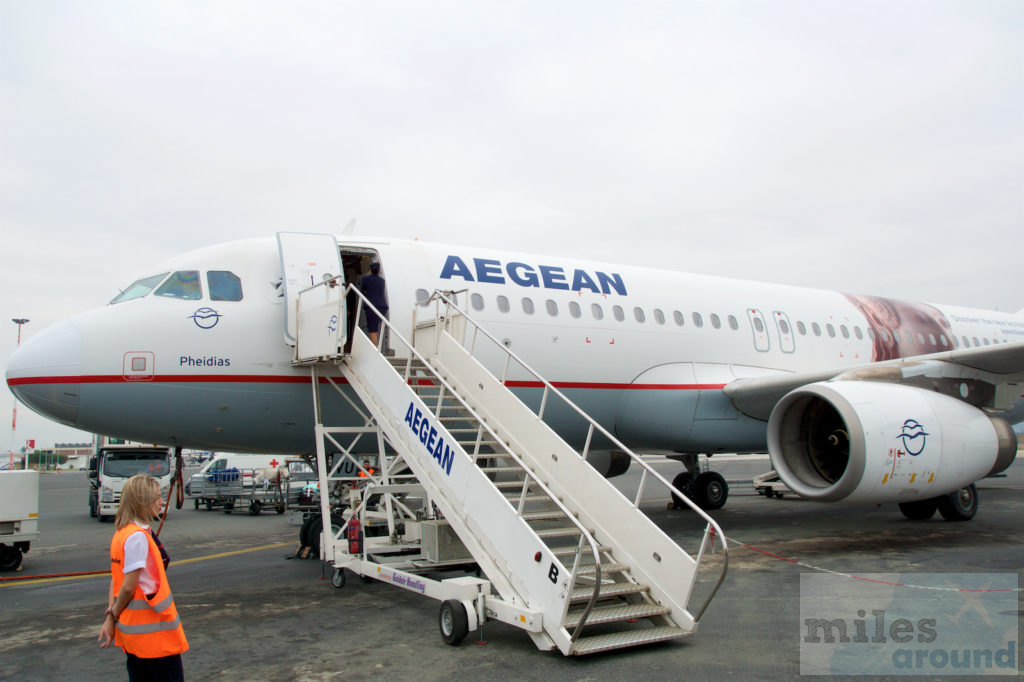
{"x": 606, "y": 568}
{"x": 626, "y": 638}
{"x": 613, "y": 614}
{"x": 544, "y": 515}
{"x": 515, "y": 496}
{"x": 501, "y": 470}
{"x": 509, "y": 485}
{"x": 557, "y": 532}
{"x": 584, "y": 592}
{"x": 570, "y": 550}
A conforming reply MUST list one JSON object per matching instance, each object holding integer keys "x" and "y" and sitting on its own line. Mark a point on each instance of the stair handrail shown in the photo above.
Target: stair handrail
{"x": 711, "y": 526}
{"x": 362, "y": 300}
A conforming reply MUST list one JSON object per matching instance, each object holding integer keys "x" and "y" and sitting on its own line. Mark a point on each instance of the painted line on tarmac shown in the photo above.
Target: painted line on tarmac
{"x": 102, "y": 574}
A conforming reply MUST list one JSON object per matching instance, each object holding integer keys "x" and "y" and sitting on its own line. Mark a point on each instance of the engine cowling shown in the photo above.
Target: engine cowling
{"x": 862, "y": 441}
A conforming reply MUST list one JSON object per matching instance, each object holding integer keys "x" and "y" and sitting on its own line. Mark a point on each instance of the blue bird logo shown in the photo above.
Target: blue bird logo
{"x": 913, "y": 436}
{"x": 205, "y": 318}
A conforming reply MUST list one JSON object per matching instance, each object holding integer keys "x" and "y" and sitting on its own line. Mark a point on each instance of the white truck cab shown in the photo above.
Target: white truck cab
{"x": 115, "y": 461}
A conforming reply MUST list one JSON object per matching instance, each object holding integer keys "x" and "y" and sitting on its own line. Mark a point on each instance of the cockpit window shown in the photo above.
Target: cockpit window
{"x": 224, "y": 285}
{"x": 140, "y": 288}
{"x": 182, "y": 284}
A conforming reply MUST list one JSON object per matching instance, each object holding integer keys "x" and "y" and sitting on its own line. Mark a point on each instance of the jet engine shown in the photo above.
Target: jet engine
{"x": 861, "y": 441}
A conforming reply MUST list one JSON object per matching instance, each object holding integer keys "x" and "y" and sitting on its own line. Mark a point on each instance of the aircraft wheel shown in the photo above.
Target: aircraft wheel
{"x": 710, "y": 491}
{"x": 338, "y": 578}
{"x": 453, "y": 621}
{"x": 921, "y": 510}
{"x": 10, "y": 558}
{"x": 684, "y": 484}
{"x": 959, "y": 505}
{"x": 304, "y": 530}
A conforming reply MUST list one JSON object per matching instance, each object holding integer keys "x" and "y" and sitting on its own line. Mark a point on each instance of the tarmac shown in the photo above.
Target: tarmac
{"x": 252, "y": 611}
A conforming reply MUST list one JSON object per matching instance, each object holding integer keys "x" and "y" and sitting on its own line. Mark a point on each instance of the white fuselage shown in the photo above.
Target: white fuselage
{"x": 646, "y": 352}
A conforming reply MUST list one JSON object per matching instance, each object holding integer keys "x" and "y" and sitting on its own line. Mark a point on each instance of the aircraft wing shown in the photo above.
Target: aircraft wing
{"x": 990, "y": 377}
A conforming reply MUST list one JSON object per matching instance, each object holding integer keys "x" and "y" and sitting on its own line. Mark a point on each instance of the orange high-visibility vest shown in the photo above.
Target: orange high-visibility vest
{"x": 147, "y": 628}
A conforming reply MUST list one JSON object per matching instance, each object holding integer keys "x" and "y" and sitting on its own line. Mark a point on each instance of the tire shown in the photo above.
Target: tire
{"x": 710, "y": 491}
{"x": 684, "y": 483}
{"x": 453, "y": 622}
{"x": 196, "y": 501}
{"x": 313, "y": 534}
{"x": 959, "y": 505}
{"x": 255, "y": 508}
{"x": 209, "y": 505}
{"x": 920, "y": 510}
{"x": 10, "y": 558}
{"x": 304, "y": 530}
{"x": 92, "y": 508}
{"x": 279, "y": 509}
{"x": 338, "y": 578}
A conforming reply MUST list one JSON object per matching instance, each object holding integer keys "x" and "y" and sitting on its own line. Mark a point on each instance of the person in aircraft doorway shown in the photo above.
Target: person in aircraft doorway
{"x": 373, "y": 287}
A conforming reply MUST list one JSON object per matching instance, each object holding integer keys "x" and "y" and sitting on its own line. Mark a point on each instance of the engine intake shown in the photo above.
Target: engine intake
{"x": 875, "y": 442}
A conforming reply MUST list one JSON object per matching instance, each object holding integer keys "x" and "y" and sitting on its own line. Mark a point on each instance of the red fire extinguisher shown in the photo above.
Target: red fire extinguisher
{"x": 355, "y": 536}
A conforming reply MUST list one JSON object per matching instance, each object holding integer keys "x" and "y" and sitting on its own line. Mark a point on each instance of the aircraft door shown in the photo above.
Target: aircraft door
{"x": 787, "y": 343}
{"x": 762, "y": 342}
{"x": 306, "y": 259}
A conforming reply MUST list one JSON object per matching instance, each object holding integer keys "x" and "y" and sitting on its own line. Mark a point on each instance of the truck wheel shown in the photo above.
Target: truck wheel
{"x": 453, "y": 621}
{"x": 196, "y": 502}
{"x": 10, "y": 558}
{"x": 255, "y": 508}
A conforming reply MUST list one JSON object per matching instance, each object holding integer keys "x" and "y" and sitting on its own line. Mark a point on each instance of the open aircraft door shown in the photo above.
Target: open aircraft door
{"x": 307, "y": 260}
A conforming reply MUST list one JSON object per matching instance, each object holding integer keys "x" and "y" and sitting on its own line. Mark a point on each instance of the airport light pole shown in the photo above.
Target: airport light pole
{"x": 14, "y": 419}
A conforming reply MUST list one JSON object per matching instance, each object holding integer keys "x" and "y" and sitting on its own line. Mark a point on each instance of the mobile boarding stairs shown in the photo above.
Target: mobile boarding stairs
{"x": 469, "y": 477}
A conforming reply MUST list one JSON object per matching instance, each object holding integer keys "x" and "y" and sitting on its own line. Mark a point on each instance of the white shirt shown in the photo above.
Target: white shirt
{"x": 137, "y": 555}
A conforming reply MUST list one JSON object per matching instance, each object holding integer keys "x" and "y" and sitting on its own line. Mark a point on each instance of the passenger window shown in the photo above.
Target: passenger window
{"x": 783, "y": 326}
{"x": 638, "y": 313}
{"x": 183, "y": 284}
{"x": 477, "y": 301}
{"x": 931, "y": 339}
{"x": 715, "y": 321}
{"x": 619, "y": 314}
{"x": 871, "y": 333}
{"x": 659, "y": 316}
{"x": 698, "y": 321}
{"x": 857, "y": 332}
{"x": 844, "y": 331}
{"x": 816, "y": 329}
{"x": 503, "y": 305}
{"x": 985, "y": 341}
{"x": 574, "y": 309}
{"x": 733, "y": 324}
{"x": 831, "y": 330}
{"x": 139, "y": 288}
{"x": 422, "y": 297}
{"x": 801, "y": 327}
{"x": 528, "y": 306}
{"x": 943, "y": 340}
{"x": 224, "y": 285}
{"x": 885, "y": 335}
{"x": 678, "y": 317}
{"x": 552, "y": 307}
{"x": 896, "y": 335}
{"x": 758, "y": 325}
{"x": 597, "y": 311}
{"x": 976, "y": 344}
{"x": 920, "y": 338}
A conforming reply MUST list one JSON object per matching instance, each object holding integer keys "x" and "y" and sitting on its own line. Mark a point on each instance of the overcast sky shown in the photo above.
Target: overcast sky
{"x": 871, "y": 146}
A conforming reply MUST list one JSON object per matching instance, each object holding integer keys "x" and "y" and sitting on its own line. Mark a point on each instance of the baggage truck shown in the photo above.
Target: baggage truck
{"x": 19, "y": 515}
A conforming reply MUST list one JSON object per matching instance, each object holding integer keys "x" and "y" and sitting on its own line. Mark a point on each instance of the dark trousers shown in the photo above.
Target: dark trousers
{"x": 166, "y": 669}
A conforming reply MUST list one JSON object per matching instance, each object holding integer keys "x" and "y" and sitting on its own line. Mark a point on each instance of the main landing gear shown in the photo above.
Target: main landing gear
{"x": 707, "y": 489}
{"x": 959, "y": 505}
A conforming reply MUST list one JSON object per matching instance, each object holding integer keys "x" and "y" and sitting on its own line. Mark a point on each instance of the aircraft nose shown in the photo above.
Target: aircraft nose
{"x": 45, "y": 373}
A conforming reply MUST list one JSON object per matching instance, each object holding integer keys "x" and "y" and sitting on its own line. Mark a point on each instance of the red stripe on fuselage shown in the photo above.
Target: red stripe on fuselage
{"x": 281, "y": 379}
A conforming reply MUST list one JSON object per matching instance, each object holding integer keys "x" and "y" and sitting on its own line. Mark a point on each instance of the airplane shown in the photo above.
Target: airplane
{"x": 857, "y": 399}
